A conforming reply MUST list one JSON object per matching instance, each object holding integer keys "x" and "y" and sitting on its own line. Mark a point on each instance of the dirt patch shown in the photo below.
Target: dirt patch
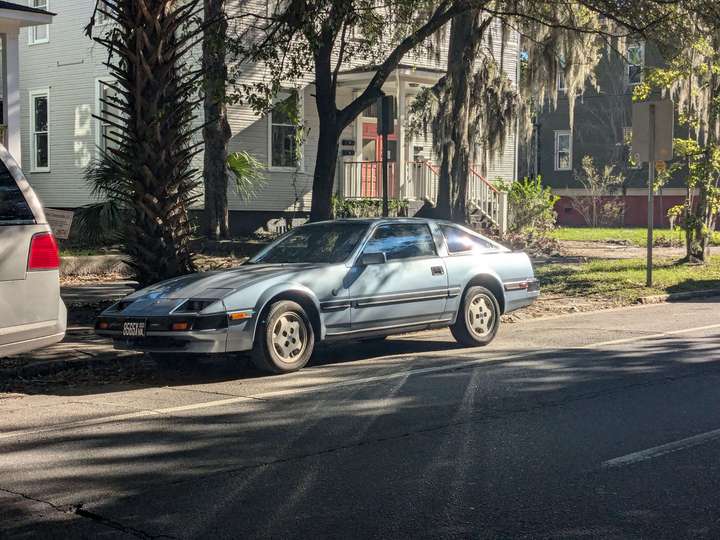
{"x": 619, "y": 250}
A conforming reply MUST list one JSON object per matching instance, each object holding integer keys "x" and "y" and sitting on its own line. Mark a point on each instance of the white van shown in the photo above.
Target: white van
{"x": 32, "y": 314}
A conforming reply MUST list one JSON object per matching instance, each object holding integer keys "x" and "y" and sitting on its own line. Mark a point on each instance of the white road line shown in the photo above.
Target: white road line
{"x": 650, "y": 336}
{"x": 663, "y": 449}
{"x": 330, "y": 386}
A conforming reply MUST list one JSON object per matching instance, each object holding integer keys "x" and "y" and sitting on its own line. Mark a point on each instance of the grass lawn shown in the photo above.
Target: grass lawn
{"x": 624, "y": 280}
{"x": 634, "y": 236}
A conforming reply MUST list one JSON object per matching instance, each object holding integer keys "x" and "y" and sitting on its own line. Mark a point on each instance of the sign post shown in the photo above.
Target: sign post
{"x": 652, "y": 141}
{"x": 385, "y": 126}
{"x": 60, "y": 222}
{"x": 651, "y": 197}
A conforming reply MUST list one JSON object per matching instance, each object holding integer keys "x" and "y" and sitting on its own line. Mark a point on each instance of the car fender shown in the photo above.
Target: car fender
{"x": 482, "y": 274}
{"x": 283, "y": 289}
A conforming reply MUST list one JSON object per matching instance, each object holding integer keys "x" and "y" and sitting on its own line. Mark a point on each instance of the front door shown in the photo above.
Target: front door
{"x": 410, "y": 288}
{"x": 371, "y": 172}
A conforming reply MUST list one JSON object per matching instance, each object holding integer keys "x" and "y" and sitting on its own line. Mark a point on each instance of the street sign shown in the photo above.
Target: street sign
{"x": 652, "y": 142}
{"x": 60, "y": 222}
{"x": 664, "y": 126}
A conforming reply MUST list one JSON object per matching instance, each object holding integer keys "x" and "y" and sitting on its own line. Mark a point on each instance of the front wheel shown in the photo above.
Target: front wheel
{"x": 478, "y": 318}
{"x": 285, "y": 339}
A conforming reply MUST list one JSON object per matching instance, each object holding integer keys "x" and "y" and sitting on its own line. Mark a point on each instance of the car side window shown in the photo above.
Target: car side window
{"x": 458, "y": 241}
{"x": 402, "y": 241}
{"x": 14, "y": 210}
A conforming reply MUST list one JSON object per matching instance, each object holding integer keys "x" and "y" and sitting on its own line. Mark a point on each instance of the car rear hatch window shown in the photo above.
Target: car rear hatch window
{"x": 14, "y": 209}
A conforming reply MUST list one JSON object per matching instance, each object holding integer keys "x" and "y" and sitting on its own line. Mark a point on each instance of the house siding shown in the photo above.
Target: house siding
{"x": 70, "y": 65}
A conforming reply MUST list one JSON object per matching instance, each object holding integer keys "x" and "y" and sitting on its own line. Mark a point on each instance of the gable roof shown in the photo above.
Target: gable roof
{"x": 18, "y": 7}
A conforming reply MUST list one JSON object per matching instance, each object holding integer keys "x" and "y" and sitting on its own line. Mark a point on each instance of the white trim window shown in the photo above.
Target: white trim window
{"x": 100, "y": 17}
{"x": 563, "y": 150}
{"x": 40, "y": 130}
{"x": 104, "y": 111}
{"x": 40, "y": 33}
{"x": 283, "y": 127}
{"x": 561, "y": 84}
{"x": 635, "y": 63}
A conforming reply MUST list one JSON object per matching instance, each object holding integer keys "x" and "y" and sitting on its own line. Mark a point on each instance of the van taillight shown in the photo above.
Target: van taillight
{"x": 44, "y": 253}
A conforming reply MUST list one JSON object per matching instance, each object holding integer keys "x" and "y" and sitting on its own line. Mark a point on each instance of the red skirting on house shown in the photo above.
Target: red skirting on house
{"x": 635, "y": 214}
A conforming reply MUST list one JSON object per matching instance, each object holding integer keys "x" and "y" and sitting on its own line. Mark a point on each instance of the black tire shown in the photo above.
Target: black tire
{"x": 487, "y": 315}
{"x": 274, "y": 355}
{"x": 172, "y": 361}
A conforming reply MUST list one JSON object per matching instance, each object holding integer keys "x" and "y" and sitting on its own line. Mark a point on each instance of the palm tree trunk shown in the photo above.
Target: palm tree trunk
{"x": 216, "y": 132}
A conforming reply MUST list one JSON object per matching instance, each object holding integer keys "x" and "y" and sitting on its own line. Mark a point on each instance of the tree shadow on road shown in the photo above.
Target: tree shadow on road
{"x": 455, "y": 451}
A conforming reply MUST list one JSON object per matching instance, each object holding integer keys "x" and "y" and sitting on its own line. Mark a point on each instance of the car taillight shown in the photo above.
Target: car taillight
{"x": 44, "y": 253}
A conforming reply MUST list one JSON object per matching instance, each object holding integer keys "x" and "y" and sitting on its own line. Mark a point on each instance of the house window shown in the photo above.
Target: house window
{"x": 635, "y": 64}
{"x": 284, "y": 130}
{"x": 563, "y": 150}
{"x": 106, "y": 112}
{"x": 40, "y": 129}
{"x": 561, "y": 84}
{"x": 631, "y": 158}
{"x": 102, "y": 8}
{"x": 41, "y": 33}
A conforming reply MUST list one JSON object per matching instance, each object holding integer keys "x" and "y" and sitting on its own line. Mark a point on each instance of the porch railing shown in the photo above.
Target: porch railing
{"x": 363, "y": 179}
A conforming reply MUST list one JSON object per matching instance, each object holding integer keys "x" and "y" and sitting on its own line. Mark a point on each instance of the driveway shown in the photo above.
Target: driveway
{"x": 600, "y": 424}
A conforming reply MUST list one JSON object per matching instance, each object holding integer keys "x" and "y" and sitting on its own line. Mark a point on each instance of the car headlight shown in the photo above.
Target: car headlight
{"x": 194, "y": 305}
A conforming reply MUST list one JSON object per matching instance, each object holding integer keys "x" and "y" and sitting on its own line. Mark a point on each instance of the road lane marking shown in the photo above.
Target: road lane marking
{"x": 663, "y": 449}
{"x": 650, "y": 336}
{"x": 253, "y": 398}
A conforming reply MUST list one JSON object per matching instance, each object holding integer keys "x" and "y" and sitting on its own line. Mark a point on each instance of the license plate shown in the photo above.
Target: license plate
{"x": 133, "y": 329}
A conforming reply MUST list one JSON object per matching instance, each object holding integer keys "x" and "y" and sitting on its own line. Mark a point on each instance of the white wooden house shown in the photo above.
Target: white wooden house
{"x": 13, "y": 18}
{"x": 64, "y": 67}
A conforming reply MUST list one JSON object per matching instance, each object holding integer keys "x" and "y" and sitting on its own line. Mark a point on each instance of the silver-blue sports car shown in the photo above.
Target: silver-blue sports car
{"x": 336, "y": 280}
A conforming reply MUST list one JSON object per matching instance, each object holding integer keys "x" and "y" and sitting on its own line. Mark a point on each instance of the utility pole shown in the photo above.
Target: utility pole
{"x": 651, "y": 197}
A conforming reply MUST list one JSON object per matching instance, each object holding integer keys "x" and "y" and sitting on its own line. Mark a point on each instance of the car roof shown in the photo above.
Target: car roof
{"x": 370, "y": 220}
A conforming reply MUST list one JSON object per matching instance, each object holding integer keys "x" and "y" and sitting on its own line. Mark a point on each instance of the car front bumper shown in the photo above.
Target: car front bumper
{"x": 229, "y": 337}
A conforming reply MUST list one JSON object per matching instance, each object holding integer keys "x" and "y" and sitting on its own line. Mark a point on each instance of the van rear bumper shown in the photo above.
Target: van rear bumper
{"x": 27, "y": 337}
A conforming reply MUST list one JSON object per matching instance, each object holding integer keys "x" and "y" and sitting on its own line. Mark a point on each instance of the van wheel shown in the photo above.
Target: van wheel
{"x": 285, "y": 339}
{"x": 478, "y": 318}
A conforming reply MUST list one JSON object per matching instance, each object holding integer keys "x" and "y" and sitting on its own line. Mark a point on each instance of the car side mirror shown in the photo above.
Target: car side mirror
{"x": 367, "y": 259}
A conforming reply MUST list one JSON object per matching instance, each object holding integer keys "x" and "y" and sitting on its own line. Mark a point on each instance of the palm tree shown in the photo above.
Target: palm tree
{"x": 147, "y": 167}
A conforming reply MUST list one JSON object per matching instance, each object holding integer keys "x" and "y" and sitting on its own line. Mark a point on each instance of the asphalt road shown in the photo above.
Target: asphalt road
{"x": 590, "y": 425}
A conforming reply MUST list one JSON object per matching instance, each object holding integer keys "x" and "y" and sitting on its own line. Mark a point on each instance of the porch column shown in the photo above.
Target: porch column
{"x": 401, "y": 158}
{"x": 11, "y": 90}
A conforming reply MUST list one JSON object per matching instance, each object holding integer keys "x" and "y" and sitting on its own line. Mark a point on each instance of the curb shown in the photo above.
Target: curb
{"x": 661, "y": 298}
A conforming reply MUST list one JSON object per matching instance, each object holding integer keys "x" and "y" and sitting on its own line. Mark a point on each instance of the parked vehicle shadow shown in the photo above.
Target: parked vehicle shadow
{"x": 138, "y": 371}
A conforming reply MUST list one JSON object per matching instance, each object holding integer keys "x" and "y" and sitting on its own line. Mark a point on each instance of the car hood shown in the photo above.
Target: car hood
{"x": 218, "y": 284}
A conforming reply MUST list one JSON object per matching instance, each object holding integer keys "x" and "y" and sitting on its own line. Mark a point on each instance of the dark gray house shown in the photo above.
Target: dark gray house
{"x": 602, "y": 130}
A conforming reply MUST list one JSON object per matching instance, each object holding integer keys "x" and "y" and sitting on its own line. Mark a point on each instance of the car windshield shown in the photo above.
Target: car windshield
{"x": 322, "y": 243}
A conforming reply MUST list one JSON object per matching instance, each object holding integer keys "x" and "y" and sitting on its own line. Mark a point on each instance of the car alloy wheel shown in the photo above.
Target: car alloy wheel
{"x": 480, "y": 315}
{"x": 289, "y": 337}
{"x": 285, "y": 338}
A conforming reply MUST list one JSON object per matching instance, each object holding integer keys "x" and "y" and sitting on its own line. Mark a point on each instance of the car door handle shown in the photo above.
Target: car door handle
{"x": 437, "y": 270}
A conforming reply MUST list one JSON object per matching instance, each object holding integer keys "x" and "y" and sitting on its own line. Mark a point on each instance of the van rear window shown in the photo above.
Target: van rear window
{"x": 14, "y": 210}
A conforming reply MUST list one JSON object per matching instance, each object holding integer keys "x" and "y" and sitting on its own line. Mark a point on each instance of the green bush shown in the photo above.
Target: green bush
{"x": 360, "y": 208}
{"x": 531, "y": 206}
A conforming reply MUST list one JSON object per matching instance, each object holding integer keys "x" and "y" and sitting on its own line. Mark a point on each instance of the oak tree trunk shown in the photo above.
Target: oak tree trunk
{"x": 455, "y": 160}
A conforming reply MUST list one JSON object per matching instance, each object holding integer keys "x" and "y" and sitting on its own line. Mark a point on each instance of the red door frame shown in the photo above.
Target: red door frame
{"x": 371, "y": 172}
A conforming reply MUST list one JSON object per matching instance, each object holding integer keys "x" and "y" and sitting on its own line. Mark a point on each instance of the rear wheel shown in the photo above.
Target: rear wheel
{"x": 285, "y": 339}
{"x": 478, "y": 318}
